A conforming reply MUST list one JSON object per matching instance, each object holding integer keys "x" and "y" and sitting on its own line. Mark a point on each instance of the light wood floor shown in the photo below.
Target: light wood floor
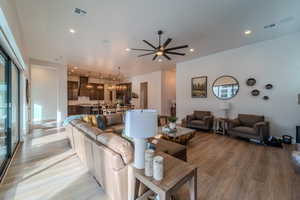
{"x": 45, "y": 168}
{"x": 233, "y": 169}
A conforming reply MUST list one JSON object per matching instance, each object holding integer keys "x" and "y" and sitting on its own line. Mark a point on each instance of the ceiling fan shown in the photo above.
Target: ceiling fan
{"x": 161, "y": 49}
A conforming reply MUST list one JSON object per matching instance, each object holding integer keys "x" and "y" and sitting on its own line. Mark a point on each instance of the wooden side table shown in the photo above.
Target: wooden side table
{"x": 220, "y": 125}
{"x": 176, "y": 173}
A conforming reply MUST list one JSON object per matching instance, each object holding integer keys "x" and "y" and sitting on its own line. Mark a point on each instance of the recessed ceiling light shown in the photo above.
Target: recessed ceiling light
{"x": 159, "y": 60}
{"x": 75, "y": 67}
{"x": 72, "y": 31}
{"x": 192, "y": 50}
{"x": 127, "y": 49}
{"x": 247, "y": 32}
{"x": 72, "y": 70}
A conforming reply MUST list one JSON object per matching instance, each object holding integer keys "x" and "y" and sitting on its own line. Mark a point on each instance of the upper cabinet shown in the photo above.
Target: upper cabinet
{"x": 72, "y": 90}
{"x": 96, "y": 91}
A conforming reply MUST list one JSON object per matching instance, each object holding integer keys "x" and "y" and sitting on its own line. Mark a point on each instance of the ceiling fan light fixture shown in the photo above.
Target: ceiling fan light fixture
{"x": 127, "y": 49}
{"x": 162, "y": 49}
{"x": 159, "y": 60}
{"x": 159, "y": 53}
{"x": 192, "y": 50}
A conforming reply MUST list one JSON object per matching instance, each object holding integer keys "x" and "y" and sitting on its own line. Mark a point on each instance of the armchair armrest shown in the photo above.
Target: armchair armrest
{"x": 233, "y": 123}
{"x": 260, "y": 124}
{"x": 208, "y": 117}
{"x": 190, "y": 117}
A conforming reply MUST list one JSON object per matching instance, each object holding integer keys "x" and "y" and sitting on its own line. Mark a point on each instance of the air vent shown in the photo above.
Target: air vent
{"x": 79, "y": 11}
{"x": 269, "y": 26}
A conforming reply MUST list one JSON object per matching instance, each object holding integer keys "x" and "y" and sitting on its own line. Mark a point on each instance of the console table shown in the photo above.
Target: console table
{"x": 176, "y": 174}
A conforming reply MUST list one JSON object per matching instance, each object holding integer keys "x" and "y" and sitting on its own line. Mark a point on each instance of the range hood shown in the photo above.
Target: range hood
{"x": 83, "y": 90}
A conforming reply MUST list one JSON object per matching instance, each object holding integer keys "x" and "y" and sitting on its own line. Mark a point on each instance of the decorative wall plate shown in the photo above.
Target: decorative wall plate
{"x": 266, "y": 98}
{"x": 255, "y": 92}
{"x": 251, "y": 82}
{"x": 269, "y": 86}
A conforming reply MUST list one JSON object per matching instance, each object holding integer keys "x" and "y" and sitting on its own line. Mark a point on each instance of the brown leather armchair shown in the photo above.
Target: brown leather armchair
{"x": 200, "y": 120}
{"x": 249, "y": 126}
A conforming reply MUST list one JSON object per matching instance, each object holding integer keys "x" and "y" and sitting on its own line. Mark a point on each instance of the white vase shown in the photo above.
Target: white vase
{"x": 149, "y": 153}
{"x": 172, "y": 125}
{"x": 158, "y": 168}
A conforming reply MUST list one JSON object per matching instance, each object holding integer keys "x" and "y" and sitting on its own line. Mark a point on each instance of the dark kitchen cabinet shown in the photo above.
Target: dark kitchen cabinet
{"x": 73, "y": 110}
{"x": 96, "y": 91}
{"x": 124, "y": 92}
{"x": 72, "y": 90}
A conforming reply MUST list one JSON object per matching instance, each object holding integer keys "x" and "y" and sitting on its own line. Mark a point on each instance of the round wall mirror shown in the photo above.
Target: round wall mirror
{"x": 225, "y": 87}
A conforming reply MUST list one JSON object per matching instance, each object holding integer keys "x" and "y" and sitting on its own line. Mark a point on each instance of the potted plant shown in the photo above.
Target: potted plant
{"x": 172, "y": 122}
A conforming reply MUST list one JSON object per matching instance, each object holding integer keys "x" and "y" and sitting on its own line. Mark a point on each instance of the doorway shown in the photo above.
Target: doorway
{"x": 144, "y": 95}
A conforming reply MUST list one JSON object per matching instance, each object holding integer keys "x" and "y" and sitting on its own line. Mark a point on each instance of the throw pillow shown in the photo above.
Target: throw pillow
{"x": 87, "y": 119}
{"x": 101, "y": 122}
{"x": 94, "y": 120}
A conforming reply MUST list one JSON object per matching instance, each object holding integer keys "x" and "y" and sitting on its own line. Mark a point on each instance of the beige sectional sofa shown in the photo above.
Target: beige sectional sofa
{"x": 108, "y": 155}
{"x": 105, "y": 154}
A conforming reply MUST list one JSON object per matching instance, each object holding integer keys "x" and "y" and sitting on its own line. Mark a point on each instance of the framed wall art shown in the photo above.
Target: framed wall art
{"x": 199, "y": 87}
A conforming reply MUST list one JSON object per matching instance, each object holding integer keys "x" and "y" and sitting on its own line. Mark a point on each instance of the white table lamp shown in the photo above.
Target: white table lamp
{"x": 225, "y": 106}
{"x": 140, "y": 124}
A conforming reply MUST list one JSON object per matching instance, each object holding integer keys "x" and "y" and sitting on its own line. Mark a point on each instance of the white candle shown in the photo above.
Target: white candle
{"x": 158, "y": 168}
{"x": 149, "y": 153}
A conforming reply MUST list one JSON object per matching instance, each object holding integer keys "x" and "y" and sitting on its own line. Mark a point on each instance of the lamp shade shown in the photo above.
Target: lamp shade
{"x": 141, "y": 124}
{"x": 224, "y": 106}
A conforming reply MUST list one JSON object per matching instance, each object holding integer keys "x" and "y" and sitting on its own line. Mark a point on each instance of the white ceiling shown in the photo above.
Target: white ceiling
{"x": 110, "y": 26}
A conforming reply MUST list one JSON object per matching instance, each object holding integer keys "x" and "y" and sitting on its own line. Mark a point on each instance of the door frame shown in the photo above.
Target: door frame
{"x": 144, "y": 99}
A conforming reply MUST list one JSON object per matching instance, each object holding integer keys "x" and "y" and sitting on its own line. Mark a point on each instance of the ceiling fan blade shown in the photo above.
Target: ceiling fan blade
{"x": 175, "y": 53}
{"x": 146, "y": 54}
{"x": 166, "y": 56}
{"x": 179, "y": 47}
{"x": 141, "y": 49}
{"x": 154, "y": 57}
{"x": 149, "y": 44}
{"x": 167, "y": 42}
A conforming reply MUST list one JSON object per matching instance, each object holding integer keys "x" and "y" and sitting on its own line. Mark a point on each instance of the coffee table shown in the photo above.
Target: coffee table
{"x": 182, "y": 135}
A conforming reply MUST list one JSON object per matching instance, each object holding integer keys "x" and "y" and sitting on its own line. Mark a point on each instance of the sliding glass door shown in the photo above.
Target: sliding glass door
{"x": 3, "y": 112}
{"x": 9, "y": 109}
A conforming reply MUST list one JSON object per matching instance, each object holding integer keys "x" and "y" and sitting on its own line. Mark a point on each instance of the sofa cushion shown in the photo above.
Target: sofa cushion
{"x": 197, "y": 122}
{"x": 79, "y": 123}
{"x": 250, "y": 120}
{"x": 103, "y": 155}
{"x": 94, "y": 120}
{"x": 117, "y": 144}
{"x": 114, "y": 119}
{"x": 200, "y": 114}
{"x": 245, "y": 129}
{"x": 75, "y": 121}
{"x": 117, "y": 128}
{"x": 89, "y": 130}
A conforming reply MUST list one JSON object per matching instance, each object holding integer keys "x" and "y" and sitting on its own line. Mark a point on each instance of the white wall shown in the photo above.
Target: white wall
{"x": 48, "y": 92}
{"x": 154, "y": 80}
{"x": 275, "y": 61}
